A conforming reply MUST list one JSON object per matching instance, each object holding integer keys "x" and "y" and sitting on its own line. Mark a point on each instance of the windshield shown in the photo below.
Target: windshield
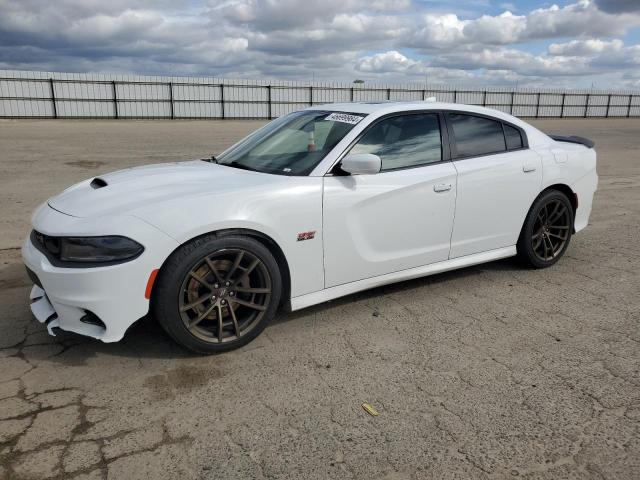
{"x": 291, "y": 145}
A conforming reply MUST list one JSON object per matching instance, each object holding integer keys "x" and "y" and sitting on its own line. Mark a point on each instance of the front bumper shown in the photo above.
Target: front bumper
{"x": 71, "y": 298}
{"x": 44, "y": 312}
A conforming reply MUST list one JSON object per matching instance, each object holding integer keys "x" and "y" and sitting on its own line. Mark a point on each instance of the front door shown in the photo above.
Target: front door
{"x": 399, "y": 218}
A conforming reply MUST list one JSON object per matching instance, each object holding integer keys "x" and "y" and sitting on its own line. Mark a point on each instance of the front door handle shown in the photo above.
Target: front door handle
{"x": 528, "y": 168}
{"x": 442, "y": 187}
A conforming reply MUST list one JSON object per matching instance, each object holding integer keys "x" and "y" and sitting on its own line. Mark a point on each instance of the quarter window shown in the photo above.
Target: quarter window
{"x": 403, "y": 141}
{"x": 513, "y": 137}
{"x": 476, "y": 135}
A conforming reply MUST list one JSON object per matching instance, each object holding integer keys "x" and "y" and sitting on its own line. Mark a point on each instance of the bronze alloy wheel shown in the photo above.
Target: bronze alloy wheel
{"x": 225, "y": 295}
{"x": 551, "y": 230}
{"x": 217, "y": 292}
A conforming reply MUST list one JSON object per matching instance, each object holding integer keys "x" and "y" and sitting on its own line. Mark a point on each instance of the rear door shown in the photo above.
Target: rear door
{"x": 498, "y": 179}
{"x": 396, "y": 219}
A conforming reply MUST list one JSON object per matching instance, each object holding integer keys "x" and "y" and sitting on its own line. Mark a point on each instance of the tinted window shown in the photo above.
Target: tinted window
{"x": 514, "y": 139}
{"x": 403, "y": 141}
{"x": 476, "y": 135}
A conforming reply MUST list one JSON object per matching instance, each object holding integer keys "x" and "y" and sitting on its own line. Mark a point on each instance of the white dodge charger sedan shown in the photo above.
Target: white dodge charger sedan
{"x": 315, "y": 205}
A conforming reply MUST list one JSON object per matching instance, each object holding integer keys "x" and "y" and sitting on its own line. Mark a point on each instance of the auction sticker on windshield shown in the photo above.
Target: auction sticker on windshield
{"x": 344, "y": 117}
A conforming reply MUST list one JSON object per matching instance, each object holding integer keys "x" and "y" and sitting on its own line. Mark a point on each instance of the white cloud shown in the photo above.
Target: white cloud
{"x": 589, "y": 47}
{"x": 511, "y": 59}
{"x": 332, "y": 39}
{"x": 579, "y": 19}
{"x": 391, "y": 61}
{"x": 501, "y": 30}
{"x": 435, "y": 32}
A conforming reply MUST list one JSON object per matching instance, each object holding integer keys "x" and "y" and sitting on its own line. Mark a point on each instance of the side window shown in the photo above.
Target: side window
{"x": 476, "y": 135}
{"x": 403, "y": 141}
{"x": 513, "y": 137}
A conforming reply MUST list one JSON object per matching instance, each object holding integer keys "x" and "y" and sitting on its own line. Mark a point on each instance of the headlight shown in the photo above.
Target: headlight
{"x": 98, "y": 249}
{"x": 87, "y": 250}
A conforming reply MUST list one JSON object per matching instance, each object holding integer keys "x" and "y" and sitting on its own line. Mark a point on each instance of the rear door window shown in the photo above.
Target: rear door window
{"x": 476, "y": 135}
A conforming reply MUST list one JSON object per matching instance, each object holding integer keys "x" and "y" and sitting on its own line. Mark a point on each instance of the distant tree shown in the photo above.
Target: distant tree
{"x": 357, "y": 80}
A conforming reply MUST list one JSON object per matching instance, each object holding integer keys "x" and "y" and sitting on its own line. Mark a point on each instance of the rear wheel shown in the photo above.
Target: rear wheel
{"x": 217, "y": 293}
{"x": 547, "y": 230}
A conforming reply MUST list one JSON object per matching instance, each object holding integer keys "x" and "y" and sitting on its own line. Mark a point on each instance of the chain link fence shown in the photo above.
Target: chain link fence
{"x": 26, "y": 94}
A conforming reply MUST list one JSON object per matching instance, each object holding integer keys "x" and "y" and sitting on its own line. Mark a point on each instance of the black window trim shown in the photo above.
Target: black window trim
{"x": 451, "y": 136}
{"x": 445, "y": 142}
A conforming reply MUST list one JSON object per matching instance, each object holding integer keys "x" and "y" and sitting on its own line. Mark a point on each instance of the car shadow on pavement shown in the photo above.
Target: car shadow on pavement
{"x": 147, "y": 340}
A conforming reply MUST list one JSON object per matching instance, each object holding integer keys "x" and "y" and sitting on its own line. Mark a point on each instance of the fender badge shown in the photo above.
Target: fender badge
{"x": 306, "y": 235}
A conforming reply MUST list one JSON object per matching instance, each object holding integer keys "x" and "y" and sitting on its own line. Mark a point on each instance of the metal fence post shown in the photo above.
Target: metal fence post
{"x": 311, "y": 95}
{"x": 538, "y": 105}
{"x": 270, "y": 110}
{"x": 608, "y": 106}
{"x": 222, "y": 100}
{"x": 424, "y": 94}
{"x": 115, "y": 100}
{"x": 388, "y": 94}
{"x": 564, "y": 95}
{"x": 512, "y": 97}
{"x": 629, "y": 106}
{"x": 351, "y": 93}
{"x": 53, "y": 99}
{"x": 171, "y": 99}
{"x": 586, "y": 107}
{"x": 484, "y": 98}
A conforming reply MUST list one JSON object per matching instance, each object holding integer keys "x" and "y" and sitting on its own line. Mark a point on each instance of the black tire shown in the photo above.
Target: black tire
{"x": 547, "y": 230}
{"x": 193, "y": 270}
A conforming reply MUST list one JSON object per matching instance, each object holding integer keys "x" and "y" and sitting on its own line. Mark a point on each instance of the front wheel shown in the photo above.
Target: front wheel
{"x": 217, "y": 293}
{"x": 547, "y": 230}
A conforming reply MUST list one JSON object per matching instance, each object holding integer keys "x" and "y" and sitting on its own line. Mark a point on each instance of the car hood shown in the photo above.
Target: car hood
{"x": 127, "y": 190}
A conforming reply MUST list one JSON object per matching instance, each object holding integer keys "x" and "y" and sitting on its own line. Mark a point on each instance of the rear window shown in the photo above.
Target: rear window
{"x": 476, "y": 135}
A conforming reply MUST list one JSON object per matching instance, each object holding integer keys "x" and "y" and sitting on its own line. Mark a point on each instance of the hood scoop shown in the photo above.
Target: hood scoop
{"x": 98, "y": 183}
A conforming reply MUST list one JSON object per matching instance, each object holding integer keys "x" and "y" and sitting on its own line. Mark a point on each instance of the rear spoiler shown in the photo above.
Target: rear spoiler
{"x": 574, "y": 139}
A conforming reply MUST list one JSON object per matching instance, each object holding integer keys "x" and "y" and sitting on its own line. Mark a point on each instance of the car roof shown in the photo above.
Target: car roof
{"x": 391, "y": 106}
{"x": 376, "y": 107}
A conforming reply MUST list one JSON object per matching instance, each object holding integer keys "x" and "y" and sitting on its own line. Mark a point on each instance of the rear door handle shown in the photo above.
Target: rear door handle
{"x": 528, "y": 168}
{"x": 442, "y": 187}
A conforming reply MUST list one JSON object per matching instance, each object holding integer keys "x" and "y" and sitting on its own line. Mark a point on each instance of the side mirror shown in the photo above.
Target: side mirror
{"x": 361, "y": 164}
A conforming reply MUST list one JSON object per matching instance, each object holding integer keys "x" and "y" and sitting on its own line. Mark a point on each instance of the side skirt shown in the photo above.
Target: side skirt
{"x": 314, "y": 298}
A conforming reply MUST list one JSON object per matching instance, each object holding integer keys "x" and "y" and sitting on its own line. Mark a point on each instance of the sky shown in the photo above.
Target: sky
{"x": 569, "y": 44}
